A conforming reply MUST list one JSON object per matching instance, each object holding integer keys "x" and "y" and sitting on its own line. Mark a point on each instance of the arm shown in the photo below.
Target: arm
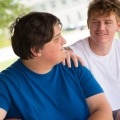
{"x": 73, "y": 56}
{"x": 99, "y": 107}
{"x": 13, "y": 119}
{"x": 2, "y": 114}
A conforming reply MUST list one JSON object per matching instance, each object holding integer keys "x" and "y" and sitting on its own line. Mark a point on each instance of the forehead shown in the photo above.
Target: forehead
{"x": 97, "y": 15}
{"x": 57, "y": 29}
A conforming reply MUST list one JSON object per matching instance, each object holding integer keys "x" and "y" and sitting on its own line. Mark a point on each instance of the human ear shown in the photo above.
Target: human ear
{"x": 39, "y": 54}
{"x": 88, "y": 24}
{"x": 118, "y": 29}
{"x": 36, "y": 53}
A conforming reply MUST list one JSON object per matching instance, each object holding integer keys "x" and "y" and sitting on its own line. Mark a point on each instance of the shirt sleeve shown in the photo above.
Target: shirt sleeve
{"x": 4, "y": 95}
{"x": 88, "y": 83}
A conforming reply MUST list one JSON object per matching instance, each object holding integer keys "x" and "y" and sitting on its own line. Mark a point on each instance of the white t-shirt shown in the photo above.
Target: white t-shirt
{"x": 106, "y": 69}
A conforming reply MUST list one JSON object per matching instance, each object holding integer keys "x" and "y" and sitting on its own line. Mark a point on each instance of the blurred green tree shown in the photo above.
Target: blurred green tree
{"x": 9, "y": 10}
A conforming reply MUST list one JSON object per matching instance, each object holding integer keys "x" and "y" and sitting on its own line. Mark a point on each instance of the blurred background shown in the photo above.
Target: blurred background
{"x": 72, "y": 13}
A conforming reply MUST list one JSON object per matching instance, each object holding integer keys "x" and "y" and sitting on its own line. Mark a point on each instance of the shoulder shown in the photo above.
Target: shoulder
{"x": 86, "y": 80}
{"x": 10, "y": 73}
{"x": 80, "y": 70}
{"x": 72, "y": 69}
{"x": 80, "y": 47}
{"x": 116, "y": 42}
{"x": 116, "y": 47}
{"x": 81, "y": 41}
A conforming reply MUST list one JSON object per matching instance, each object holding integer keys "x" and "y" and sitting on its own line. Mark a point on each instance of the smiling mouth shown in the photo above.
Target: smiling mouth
{"x": 101, "y": 34}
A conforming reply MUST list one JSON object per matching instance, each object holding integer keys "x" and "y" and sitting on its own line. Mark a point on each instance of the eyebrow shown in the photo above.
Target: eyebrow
{"x": 57, "y": 35}
{"x": 105, "y": 20}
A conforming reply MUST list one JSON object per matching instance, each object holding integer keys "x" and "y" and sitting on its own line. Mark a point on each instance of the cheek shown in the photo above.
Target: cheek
{"x": 92, "y": 28}
{"x": 54, "y": 52}
{"x": 112, "y": 31}
{"x": 53, "y": 55}
{"x": 92, "y": 32}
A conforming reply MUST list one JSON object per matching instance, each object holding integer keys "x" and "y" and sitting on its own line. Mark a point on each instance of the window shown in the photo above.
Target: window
{"x": 63, "y": 2}
{"x": 52, "y": 3}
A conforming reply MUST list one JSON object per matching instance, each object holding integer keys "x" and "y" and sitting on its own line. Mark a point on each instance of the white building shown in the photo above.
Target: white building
{"x": 72, "y": 13}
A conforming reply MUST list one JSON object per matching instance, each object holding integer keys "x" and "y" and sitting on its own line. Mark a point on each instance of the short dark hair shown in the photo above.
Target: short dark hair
{"x": 33, "y": 30}
{"x": 104, "y": 7}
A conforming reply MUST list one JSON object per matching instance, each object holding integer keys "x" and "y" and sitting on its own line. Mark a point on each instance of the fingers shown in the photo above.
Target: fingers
{"x": 75, "y": 59}
{"x": 81, "y": 61}
{"x": 68, "y": 59}
{"x": 63, "y": 62}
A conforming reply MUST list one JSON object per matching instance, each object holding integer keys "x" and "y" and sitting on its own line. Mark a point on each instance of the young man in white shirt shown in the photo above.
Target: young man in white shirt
{"x": 100, "y": 51}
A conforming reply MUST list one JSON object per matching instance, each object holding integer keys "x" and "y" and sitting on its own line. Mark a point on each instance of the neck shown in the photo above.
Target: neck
{"x": 100, "y": 49}
{"x": 37, "y": 66}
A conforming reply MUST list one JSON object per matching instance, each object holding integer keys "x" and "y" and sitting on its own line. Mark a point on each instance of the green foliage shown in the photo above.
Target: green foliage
{"x": 9, "y": 11}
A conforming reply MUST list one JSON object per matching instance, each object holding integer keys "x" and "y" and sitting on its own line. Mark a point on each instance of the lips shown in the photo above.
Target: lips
{"x": 101, "y": 34}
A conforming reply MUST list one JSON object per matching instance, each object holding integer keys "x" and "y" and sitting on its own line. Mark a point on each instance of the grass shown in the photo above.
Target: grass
{"x": 4, "y": 43}
{"x": 4, "y": 65}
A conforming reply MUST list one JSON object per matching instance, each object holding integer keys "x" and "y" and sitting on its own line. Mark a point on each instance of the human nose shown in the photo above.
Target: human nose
{"x": 63, "y": 41}
{"x": 101, "y": 26}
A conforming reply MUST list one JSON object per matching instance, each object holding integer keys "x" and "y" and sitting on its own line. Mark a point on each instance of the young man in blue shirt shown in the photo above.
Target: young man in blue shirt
{"x": 37, "y": 86}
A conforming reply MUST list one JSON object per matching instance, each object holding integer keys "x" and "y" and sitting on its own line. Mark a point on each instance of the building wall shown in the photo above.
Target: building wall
{"x": 71, "y": 12}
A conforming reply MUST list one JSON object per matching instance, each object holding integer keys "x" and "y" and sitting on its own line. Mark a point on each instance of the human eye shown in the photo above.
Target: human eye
{"x": 57, "y": 38}
{"x": 95, "y": 22}
{"x": 109, "y": 22}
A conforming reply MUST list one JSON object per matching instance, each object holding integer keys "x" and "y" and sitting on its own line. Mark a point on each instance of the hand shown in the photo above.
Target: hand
{"x": 118, "y": 116}
{"x": 74, "y": 57}
{"x": 13, "y": 119}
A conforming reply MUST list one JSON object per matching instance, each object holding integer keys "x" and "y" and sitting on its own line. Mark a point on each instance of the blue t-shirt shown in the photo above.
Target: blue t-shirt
{"x": 57, "y": 95}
